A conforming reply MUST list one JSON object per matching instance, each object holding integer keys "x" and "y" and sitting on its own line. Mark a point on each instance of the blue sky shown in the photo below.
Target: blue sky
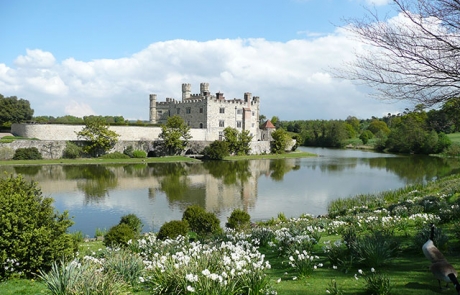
{"x": 106, "y": 57}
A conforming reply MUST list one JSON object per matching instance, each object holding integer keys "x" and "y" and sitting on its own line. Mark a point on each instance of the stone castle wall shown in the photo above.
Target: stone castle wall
{"x": 52, "y": 139}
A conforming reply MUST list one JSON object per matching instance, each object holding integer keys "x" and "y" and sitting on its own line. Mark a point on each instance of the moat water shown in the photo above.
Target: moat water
{"x": 98, "y": 195}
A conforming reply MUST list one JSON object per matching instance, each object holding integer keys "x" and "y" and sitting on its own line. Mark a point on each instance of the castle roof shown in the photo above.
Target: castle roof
{"x": 267, "y": 125}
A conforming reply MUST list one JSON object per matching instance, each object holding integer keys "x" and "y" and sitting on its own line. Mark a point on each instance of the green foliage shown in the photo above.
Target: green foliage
{"x": 72, "y": 151}
{"x": 115, "y": 155}
{"x": 31, "y": 153}
{"x": 126, "y": 264}
{"x": 201, "y": 222}
{"x": 173, "y": 229}
{"x": 129, "y": 151}
{"x": 378, "y": 283}
{"x": 133, "y": 221}
{"x": 217, "y": 150}
{"x": 14, "y": 110}
{"x": 280, "y": 141}
{"x": 175, "y": 134}
{"x": 238, "y": 220}
{"x": 139, "y": 154}
{"x": 119, "y": 235}
{"x": 238, "y": 142}
{"x": 100, "y": 138}
{"x": 33, "y": 234}
{"x": 365, "y": 136}
{"x": 376, "y": 126}
{"x": 375, "y": 249}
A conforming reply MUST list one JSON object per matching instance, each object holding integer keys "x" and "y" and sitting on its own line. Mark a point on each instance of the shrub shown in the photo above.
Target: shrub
{"x": 217, "y": 150}
{"x": 173, "y": 229}
{"x": 133, "y": 221}
{"x": 115, "y": 155}
{"x": 129, "y": 151}
{"x": 440, "y": 239}
{"x": 72, "y": 151}
{"x": 33, "y": 234}
{"x": 119, "y": 235}
{"x": 238, "y": 220}
{"x": 125, "y": 263}
{"x": 375, "y": 249}
{"x": 139, "y": 154}
{"x": 201, "y": 222}
{"x": 31, "y": 153}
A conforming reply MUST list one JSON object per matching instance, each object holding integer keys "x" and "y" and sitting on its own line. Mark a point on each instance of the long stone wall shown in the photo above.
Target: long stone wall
{"x": 51, "y": 139}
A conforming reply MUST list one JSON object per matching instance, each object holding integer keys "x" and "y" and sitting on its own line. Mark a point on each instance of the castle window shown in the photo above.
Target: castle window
{"x": 201, "y": 110}
{"x": 201, "y": 125}
{"x": 178, "y": 111}
{"x": 188, "y": 110}
{"x": 222, "y": 110}
{"x": 221, "y": 135}
{"x": 160, "y": 112}
{"x": 238, "y": 124}
{"x": 252, "y": 124}
{"x": 253, "y": 113}
{"x": 188, "y": 123}
{"x": 221, "y": 123}
{"x": 239, "y": 111}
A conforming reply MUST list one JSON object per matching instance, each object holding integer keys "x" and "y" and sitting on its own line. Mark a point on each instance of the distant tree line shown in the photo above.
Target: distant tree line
{"x": 413, "y": 131}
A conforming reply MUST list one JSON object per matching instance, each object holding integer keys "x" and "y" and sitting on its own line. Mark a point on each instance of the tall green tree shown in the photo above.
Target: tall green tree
{"x": 238, "y": 142}
{"x": 100, "y": 138}
{"x": 175, "y": 134}
{"x": 14, "y": 110}
{"x": 280, "y": 141}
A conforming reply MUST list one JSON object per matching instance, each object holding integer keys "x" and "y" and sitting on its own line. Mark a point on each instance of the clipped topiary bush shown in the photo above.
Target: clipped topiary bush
{"x": 119, "y": 235}
{"x": 139, "y": 154}
{"x": 201, "y": 222}
{"x": 173, "y": 229}
{"x": 72, "y": 151}
{"x": 238, "y": 220}
{"x": 33, "y": 235}
{"x": 133, "y": 221}
{"x": 217, "y": 150}
{"x": 31, "y": 153}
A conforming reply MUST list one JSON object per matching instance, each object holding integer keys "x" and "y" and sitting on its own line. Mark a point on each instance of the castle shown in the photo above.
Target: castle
{"x": 211, "y": 112}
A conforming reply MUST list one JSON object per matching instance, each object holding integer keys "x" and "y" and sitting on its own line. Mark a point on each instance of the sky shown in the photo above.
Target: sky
{"x": 105, "y": 57}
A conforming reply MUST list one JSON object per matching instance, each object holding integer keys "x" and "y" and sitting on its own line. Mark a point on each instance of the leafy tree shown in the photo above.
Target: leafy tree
{"x": 217, "y": 150}
{"x": 280, "y": 141}
{"x": 365, "y": 136}
{"x": 413, "y": 57}
{"x": 97, "y": 132}
{"x": 452, "y": 111}
{"x": 238, "y": 142}
{"x": 33, "y": 234}
{"x": 175, "y": 134}
{"x": 71, "y": 151}
{"x": 231, "y": 138}
{"x": 14, "y": 110}
{"x": 376, "y": 126}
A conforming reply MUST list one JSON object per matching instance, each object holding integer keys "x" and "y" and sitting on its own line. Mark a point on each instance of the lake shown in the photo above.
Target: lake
{"x": 98, "y": 195}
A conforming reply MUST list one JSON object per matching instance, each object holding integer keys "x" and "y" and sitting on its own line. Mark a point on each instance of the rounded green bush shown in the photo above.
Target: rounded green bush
{"x": 201, "y": 222}
{"x": 133, "y": 221}
{"x": 173, "y": 229}
{"x": 33, "y": 235}
{"x": 119, "y": 235}
{"x": 139, "y": 154}
{"x": 238, "y": 220}
{"x": 31, "y": 153}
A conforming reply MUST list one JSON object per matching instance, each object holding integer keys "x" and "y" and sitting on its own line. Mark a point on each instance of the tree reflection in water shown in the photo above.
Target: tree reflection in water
{"x": 94, "y": 180}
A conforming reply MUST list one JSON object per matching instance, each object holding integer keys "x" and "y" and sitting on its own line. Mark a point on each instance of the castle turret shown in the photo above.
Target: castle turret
{"x": 186, "y": 90}
{"x": 153, "y": 109}
{"x": 204, "y": 89}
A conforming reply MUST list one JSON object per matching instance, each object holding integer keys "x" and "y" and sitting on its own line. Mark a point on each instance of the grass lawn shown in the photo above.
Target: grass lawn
{"x": 454, "y": 137}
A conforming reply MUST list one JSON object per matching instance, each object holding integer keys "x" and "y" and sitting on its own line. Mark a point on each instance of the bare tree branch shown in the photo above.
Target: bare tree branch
{"x": 415, "y": 56}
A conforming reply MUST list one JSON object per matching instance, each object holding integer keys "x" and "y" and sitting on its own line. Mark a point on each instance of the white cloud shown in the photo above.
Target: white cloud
{"x": 378, "y": 2}
{"x": 291, "y": 78}
{"x": 35, "y": 59}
